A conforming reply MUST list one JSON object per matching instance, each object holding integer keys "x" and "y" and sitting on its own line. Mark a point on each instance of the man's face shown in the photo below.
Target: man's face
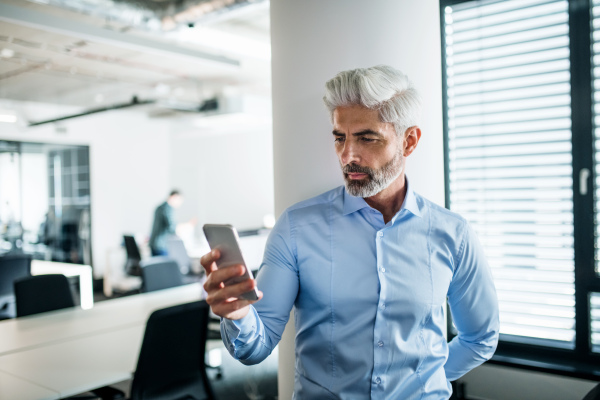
{"x": 175, "y": 200}
{"x": 369, "y": 151}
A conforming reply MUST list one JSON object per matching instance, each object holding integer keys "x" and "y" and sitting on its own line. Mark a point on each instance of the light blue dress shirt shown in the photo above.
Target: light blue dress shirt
{"x": 369, "y": 299}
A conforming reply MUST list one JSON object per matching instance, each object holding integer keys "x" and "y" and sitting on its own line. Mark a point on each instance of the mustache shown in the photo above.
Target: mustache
{"x": 357, "y": 169}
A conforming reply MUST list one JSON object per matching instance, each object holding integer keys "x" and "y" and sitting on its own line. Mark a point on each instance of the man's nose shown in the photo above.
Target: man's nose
{"x": 349, "y": 154}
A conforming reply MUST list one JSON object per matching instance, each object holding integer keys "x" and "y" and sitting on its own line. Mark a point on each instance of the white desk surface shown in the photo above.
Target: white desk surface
{"x": 78, "y": 365}
{"x": 12, "y": 388}
{"x": 64, "y": 325}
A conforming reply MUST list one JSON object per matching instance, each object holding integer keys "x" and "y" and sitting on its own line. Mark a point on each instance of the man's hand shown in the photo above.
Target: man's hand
{"x": 224, "y": 300}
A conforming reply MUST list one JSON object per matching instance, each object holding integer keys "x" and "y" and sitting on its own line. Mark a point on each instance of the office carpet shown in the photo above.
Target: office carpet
{"x": 238, "y": 381}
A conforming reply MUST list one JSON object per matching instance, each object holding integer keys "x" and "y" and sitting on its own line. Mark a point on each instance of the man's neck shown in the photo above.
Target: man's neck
{"x": 389, "y": 201}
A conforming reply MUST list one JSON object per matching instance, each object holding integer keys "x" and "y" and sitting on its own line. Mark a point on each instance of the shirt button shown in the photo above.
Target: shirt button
{"x": 382, "y": 306}
{"x": 379, "y": 234}
{"x": 382, "y": 269}
{"x": 378, "y": 380}
{"x": 380, "y": 343}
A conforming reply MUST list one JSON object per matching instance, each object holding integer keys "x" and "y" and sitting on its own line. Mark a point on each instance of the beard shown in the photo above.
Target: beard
{"x": 376, "y": 180}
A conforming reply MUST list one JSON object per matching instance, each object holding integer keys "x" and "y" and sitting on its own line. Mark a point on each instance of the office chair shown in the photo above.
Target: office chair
{"x": 160, "y": 273}
{"x": 132, "y": 266}
{"x": 593, "y": 394}
{"x": 176, "y": 251}
{"x": 171, "y": 363}
{"x": 42, "y": 293}
{"x": 12, "y": 267}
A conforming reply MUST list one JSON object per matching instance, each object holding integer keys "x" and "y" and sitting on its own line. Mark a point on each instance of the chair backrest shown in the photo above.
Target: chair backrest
{"x": 594, "y": 394}
{"x": 176, "y": 250}
{"x": 160, "y": 273}
{"x": 171, "y": 362}
{"x": 131, "y": 247}
{"x": 42, "y": 293}
{"x": 13, "y": 267}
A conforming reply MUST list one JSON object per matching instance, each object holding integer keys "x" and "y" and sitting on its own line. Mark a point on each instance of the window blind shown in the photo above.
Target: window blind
{"x": 596, "y": 91}
{"x": 595, "y": 318}
{"x": 509, "y": 151}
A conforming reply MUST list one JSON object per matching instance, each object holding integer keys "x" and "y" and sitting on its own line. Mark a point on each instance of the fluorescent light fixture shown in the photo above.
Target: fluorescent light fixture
{"x": 224, "y": 41}
{"x": 11, "y": 118}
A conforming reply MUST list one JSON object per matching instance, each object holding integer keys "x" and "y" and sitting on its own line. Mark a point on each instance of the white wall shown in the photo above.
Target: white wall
{"x": 226, "y": 176}
{"x": 312, "y": 40}
{"x": 129, "y": 167}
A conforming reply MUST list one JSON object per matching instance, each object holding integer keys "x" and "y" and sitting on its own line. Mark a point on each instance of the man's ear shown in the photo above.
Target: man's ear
{"x": 411, "y": 138}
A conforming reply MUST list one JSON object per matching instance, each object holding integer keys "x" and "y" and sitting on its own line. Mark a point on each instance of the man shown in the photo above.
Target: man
{"x": 164, "y": 223}
{"x": 367, "y": 267}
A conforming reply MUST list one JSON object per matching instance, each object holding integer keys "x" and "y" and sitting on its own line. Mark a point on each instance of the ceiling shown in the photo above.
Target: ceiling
{"x": 81, "y": 60}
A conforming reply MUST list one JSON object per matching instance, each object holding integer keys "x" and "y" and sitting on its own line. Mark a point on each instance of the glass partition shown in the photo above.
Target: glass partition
{"x": 45, "y": 201}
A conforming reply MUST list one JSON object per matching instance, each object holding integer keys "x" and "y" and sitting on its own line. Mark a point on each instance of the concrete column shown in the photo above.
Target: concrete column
{"x": 312, "y": 40}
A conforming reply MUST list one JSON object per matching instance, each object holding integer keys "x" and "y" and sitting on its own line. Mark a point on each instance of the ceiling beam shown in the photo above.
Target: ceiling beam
{"x": 51, "y": 23}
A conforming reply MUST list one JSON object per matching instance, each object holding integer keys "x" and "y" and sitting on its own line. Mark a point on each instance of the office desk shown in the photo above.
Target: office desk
{"x": 72, "y": 351}
{"x": 84, "y": 272}
{"x": 63, "y": 325}
{"x": 12, "y": 387}
{"x": 81, "y": 364}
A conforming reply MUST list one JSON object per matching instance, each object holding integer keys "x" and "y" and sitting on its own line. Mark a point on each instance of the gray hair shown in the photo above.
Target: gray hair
{"x": 381, "y": 88}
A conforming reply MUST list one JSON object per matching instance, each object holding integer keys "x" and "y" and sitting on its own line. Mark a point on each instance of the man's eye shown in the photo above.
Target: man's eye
{"x": 338, "y": 139}
{"x": 367, "y": 140}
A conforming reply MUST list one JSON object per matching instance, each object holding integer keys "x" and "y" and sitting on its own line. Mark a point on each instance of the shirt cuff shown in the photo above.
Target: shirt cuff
{"x": 240, "y": 327}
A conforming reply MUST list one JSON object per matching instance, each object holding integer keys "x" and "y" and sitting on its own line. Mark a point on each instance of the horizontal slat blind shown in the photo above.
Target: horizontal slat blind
{"x": 509, "y": 141}
{"x": 596, "y": 78}
{"x": 595, "y": 318}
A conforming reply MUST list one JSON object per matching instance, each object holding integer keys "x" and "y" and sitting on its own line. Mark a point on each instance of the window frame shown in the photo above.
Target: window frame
{"x": 579, "y": 362}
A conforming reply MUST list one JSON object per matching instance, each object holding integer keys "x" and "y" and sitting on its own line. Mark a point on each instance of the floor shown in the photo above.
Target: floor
{"x": 238, "y": 382}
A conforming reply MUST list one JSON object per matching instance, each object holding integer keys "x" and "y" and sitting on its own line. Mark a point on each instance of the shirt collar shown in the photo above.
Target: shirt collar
{"x": 353, "y": 204}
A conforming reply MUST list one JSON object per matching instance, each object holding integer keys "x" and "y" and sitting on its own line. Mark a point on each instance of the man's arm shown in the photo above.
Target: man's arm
{"x": 251, "y": 332}
{"x": 474, "y": 305}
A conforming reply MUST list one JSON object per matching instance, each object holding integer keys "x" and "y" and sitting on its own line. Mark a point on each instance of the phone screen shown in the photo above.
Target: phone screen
{"x": 225, "y": 239}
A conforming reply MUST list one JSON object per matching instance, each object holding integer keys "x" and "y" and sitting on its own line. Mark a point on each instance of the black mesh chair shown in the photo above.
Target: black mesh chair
{"x": 12, "y": 267}
{"x": 171, "y": 363}
{"x": 132, "y": 266}
{"x": 42, "y": 293}
{"x": 160, "y": 273}
{"x": 594, "y": 394}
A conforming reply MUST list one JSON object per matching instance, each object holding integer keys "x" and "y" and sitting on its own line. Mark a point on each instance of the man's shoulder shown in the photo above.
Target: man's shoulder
{"x": 318, "y": 202}
{"x": 438, "y": 212}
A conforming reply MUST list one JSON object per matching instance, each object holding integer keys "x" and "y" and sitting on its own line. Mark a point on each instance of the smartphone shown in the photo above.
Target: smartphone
{"x": 225, "y": 239}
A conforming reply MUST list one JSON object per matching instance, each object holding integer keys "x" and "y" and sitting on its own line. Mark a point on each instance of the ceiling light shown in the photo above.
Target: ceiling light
{"x": 11, "y": 118}
{"x": 224, "y": 41}
{"x": 7, "y": 53}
